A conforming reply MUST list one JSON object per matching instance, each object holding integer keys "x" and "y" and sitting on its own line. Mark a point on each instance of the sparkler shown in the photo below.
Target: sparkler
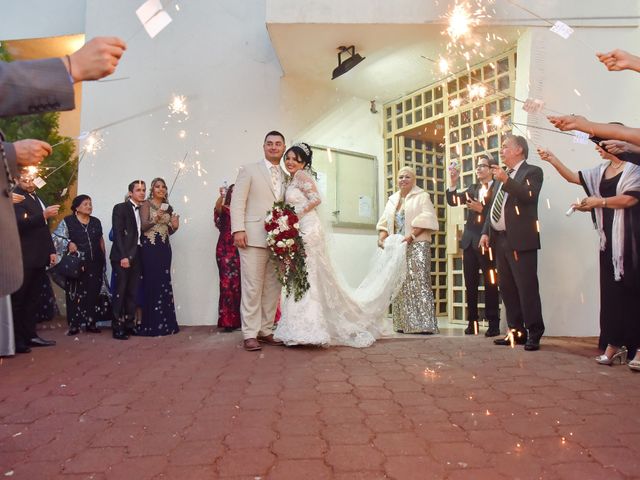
{"x": 93, "y": 143}
{"x": 181, "y": 166}
{"x": 460, "y": 22}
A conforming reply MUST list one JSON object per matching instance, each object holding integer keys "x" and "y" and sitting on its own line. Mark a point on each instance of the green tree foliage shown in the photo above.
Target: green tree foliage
{"x": 44, "y": 126}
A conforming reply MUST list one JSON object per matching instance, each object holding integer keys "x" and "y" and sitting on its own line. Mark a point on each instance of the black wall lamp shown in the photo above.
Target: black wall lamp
{"x": 344, "y": 66}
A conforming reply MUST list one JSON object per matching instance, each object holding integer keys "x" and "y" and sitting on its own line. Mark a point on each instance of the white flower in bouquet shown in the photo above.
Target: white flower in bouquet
{"x": 275, "y": 232}
{"x": 280, "y": 244}
{"x": 283, "y": 223}
{"x": 296, "y": 226}
{"x": 289, "y": 242}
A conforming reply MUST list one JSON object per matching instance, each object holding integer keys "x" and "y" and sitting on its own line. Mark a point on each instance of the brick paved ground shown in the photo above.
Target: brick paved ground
{"x": 196, "y": 406}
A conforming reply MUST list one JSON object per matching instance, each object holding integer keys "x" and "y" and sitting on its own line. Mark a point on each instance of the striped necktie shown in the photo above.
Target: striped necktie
{"x": 275, "y": 178}
{"x": 496, "y": 209}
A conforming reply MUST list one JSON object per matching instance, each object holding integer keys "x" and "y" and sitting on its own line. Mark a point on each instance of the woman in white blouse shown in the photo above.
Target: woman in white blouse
{"x": 409, "y": 212}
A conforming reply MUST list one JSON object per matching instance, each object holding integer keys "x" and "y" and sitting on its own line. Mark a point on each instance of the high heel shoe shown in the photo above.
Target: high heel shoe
{"x": 620, "y": 355}
{"x": 635, "y": 363}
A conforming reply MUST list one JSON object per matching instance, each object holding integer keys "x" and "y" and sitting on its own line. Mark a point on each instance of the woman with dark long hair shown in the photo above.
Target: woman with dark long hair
{"x": 157, "y": 222}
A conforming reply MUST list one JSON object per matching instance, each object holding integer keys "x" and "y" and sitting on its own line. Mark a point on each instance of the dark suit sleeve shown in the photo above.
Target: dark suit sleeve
{"x": 117, "y": 227}
{"x": 27, "y": 220}
{"x": 528, "y": 189}
{"x": 35, "y": 86}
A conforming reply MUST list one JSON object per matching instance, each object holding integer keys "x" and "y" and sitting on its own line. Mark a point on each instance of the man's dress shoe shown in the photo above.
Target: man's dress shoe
{"x": 269, "y": 340}
{"x": 518, "y": 340}
{"x": 22, "y": 349}
{"x": 41, "y": 342}
{"x": 532, "y": 346}
{"x": 120, "y": 335}
{"x": 251, "y": 345}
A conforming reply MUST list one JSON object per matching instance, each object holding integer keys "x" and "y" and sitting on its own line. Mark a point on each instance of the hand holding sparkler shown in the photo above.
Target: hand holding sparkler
{"x": 474, "y": 205}
{"x": 31, "y": 152}
{"x": 484, "y": 242}
{"x": 570, "y": 122}
{"x": 618, "y": 60}
{"x": 617, "y": 147}
{"x": 499, "y": 173}
{"x": 589, "y": 203}
{"x": 50, "y": 211}
{"x": 96, "y": 59}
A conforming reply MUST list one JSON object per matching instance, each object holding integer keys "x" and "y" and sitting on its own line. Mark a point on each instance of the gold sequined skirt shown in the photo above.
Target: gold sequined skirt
{"x": 413, "y": 308}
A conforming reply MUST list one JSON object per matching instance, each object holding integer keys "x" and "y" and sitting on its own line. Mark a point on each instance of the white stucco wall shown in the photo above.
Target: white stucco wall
{"x": 41, "y": 18}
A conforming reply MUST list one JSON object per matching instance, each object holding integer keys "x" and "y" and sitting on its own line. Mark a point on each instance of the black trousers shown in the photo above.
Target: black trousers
{"x": 24, "y": 303}
{"x": 518, "y": 281}
{"x": 472, "y": 261}
{"x": 126, "y": 290}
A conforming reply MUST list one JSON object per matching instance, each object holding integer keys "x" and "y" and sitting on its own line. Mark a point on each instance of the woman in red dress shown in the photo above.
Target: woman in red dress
{"x": 228, "y": 262}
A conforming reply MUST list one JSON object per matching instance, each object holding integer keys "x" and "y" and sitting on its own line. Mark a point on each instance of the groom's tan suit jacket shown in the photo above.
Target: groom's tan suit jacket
{"x": 253, "y": 196}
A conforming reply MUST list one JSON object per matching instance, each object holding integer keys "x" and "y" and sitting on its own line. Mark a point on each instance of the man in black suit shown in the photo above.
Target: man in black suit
{"x": 512, "y": 230}
{"x": 477, "y": 199}
{"x": 125, "y": 259}
{"x": 37, "y": 253}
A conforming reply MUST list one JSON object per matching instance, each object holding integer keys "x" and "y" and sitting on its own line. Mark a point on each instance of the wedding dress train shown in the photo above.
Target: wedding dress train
{"x": 330, "y": 313}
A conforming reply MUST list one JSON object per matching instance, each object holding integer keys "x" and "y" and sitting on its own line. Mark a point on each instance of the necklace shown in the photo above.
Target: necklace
{"x": 617, "y": 166}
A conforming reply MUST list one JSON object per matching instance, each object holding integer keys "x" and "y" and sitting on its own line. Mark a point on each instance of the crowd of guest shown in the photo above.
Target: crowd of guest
{"x": 500, "y": 238}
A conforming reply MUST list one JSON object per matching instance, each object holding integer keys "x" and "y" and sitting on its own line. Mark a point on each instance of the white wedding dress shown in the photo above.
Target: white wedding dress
{"x": 330, "y": 313}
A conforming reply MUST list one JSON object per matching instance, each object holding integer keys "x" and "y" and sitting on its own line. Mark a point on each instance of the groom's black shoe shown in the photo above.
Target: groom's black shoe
{"x": 269, "y": 340}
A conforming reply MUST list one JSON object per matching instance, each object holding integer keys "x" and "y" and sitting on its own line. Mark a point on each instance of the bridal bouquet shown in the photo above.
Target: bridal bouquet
{"x": 287, "y": 249}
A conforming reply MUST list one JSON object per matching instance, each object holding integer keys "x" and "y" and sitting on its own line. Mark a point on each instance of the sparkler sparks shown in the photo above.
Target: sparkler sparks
{"x": 460, "y": 22}
{"x": 443, "y": 64}
{"x": 92, "y": 143}
{"x": 178, "y": 105}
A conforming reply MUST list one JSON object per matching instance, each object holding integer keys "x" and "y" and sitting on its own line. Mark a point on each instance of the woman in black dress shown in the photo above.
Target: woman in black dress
{"x": 613, "y": 190}
{"x": 81, "y": 234}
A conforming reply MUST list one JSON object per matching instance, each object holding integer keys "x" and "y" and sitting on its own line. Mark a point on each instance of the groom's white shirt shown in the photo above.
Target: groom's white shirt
{"x": 253, "y": 196}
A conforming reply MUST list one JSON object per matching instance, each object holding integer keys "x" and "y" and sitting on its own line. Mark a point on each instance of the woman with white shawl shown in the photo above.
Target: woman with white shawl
{"x": 613, "y": 190}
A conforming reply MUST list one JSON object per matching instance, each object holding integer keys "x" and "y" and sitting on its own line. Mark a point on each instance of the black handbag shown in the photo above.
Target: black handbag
{"x": 70, "y": 267}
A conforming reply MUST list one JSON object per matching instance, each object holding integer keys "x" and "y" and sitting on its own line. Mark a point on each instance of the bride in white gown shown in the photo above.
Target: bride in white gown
{"x": 329, "y": 313}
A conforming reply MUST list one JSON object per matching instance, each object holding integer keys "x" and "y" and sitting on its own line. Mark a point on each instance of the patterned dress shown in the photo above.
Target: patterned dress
{"x": 414, "y": 308}
{"x": 228, "y": 262}
{"x": 158, "y": 309}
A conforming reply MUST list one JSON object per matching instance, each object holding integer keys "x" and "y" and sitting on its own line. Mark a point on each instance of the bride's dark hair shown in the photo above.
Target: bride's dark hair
{"x": 304, "y": 155}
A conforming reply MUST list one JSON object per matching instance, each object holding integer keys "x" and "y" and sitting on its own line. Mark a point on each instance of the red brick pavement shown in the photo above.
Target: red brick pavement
{"x": 196, "y": 406}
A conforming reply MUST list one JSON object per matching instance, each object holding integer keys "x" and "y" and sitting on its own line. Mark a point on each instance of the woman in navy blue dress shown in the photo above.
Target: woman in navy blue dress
{"x": 157, "y": 222}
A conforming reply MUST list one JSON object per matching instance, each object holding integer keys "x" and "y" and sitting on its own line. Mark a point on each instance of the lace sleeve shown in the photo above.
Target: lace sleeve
{"x": 309, "y": 188}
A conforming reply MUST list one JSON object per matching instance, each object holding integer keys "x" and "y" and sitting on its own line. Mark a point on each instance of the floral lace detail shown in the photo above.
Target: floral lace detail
{"x": 161, "y": 228}
{"x": 304, "y": 193}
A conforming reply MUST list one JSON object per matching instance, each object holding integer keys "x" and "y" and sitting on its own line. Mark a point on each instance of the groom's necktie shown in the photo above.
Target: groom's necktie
{"x": 496, "y": 209}
{"x": 275, "y": 177}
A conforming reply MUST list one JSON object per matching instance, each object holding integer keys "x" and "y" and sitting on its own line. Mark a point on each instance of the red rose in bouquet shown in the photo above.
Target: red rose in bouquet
{"x": 287, "y": 249}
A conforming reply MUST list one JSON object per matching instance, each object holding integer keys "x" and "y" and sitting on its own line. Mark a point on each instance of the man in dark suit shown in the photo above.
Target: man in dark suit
{"x": 40, "y": 86}
{"x": 512, "y": 230}
{"x": 37, "y": 253}
{"x": 477, "y": 199}
{"x": 125, "y": 259}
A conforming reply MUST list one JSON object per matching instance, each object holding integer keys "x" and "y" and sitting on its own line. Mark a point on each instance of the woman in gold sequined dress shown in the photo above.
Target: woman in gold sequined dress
{"x": 157, "y": 222}
{"x": 410, "y": 212}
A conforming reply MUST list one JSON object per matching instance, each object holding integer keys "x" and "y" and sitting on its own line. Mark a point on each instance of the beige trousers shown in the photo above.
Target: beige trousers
{"x": 260, "y": 292}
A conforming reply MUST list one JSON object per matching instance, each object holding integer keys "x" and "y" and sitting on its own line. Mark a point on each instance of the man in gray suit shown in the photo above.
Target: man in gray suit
{"x": 36, "y": 87}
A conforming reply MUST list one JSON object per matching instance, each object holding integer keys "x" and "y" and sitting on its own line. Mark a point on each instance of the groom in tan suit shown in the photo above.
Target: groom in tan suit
{"x": 257, "y": 187}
